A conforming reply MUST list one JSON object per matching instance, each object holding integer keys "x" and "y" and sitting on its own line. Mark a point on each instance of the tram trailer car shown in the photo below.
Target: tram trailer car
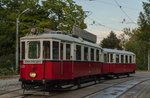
{"x": 118, "y": 62}
{"x": 53, "y": 60}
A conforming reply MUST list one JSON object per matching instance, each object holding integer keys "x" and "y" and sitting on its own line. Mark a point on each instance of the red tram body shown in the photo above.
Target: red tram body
{"x": 53, "y": 60}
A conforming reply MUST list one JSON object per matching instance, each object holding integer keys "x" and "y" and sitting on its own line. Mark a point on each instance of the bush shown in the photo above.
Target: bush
{"x": 7, "y": 64}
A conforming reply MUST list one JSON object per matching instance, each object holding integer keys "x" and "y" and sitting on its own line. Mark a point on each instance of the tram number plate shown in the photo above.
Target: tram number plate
{"x": 32, "y": 61}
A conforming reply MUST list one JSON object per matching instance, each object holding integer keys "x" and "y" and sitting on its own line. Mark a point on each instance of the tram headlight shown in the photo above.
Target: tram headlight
{"x": 32, "y": 74}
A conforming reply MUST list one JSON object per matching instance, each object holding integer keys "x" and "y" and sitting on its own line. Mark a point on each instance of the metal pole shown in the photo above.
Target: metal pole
{"x": 17, "y": 35}
{"x": 17, "y": 52}
{"x": 148, "y": 60}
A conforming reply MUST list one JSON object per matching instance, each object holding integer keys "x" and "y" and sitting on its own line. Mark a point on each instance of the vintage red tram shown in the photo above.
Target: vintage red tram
{"x": 57, "y": 59}
{"x": 51, "y": 60}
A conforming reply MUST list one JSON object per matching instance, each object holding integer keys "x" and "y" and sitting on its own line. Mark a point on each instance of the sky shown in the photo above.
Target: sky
{"x": 110, "y": 15}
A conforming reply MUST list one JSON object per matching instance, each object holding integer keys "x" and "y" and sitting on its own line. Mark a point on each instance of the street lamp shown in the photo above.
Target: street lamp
{"x": 17, "y": 29}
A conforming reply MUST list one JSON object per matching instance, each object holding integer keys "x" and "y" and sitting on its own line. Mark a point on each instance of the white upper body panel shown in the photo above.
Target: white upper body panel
{"x": 105, "y": 50}
{"x": 61, "y": 37}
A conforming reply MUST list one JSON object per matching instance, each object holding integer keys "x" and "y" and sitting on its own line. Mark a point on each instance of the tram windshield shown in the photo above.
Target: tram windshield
{"x": 34, "y": 49}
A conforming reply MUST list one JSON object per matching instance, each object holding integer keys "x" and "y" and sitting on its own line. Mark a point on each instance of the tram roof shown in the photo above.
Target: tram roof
{"x": 60, "y": 37}
{"x": 117, "y": 51}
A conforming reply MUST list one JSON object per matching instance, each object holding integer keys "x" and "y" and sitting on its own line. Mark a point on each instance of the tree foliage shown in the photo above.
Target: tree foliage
{"x": 52, "y": 14}
{"x": 138, "y": 39}
{"x": 111, "y": 41}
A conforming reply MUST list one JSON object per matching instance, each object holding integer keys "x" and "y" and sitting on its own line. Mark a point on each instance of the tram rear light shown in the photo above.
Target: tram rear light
{"x": 32, "y": 74}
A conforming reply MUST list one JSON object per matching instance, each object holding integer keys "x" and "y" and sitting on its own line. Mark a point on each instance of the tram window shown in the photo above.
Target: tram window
{"x": 111, "y": 57}
{"x": 130, "y": 59}
{"x": 55, "y": 50}
{"x": 46, "y": 49}
{"x": 68, "y": 50}
{"x": 85, "y": 53}
{"x": 34, "y": 50}
{"x": 122, "y": 58}
{"x": 78, "y": 52}
{"x": 97, "y": 55}
{"x": 22, "y": 50}
{"x": 105, "y": 58}
{"x": 61, "y": 51}
{"x": 117, "y": 58}
{"x": 92, "y": 54}
{"x": 133, "y": 59}
{"x": 126, "y": 59}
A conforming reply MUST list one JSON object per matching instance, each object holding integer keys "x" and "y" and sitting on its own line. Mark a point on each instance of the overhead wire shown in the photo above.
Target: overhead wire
{"x": 104, "y": 2}
{"x": 102, "y": 25}
{"x": 124, "y": 11}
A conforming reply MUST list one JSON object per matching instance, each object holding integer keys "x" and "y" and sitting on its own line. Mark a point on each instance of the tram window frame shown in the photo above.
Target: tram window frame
{"x": 97, "y": 54}
{"x": 54, "y": 56}
{"x": 78, "y": 52}
{"x": 68, "y": 51}
{"x": 126, "y": 58}
{"x": 61, "y": 51}
{"x": 86, "y": 53}
{"x": 92, "y": 54}
{"x": 134, "y": 59}
{"x": 49, "y": 52}
{"x": 111, "y": 58}
{"x": 106, "y": 57}
{"x": 38, "y": 54}
{"x": 22, "y": 50}
{"x": 130, "y": 59}
{"x": 117, "y": 58}
{"x": 122, "y": 58}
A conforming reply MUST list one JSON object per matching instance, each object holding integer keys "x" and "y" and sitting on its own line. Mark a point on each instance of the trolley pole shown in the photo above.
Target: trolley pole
{"x": 17, "y": 39}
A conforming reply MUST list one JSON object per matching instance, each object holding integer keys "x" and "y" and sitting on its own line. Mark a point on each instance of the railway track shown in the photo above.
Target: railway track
{"x": 113, "y": 88}
{"x": 59, "y": 93}
{"x": 116, "y": 90}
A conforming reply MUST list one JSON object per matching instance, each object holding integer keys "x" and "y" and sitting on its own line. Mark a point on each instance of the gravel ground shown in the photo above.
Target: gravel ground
{"x": 9, "y": 84}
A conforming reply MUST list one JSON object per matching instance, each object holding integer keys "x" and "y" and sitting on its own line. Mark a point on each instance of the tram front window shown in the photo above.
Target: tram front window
{"x": 34, "y": 50}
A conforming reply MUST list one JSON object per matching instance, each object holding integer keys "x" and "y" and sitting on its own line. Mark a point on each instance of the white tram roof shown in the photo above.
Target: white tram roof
{"x": 106, "y": 50}
{"x": 62, "y": 37}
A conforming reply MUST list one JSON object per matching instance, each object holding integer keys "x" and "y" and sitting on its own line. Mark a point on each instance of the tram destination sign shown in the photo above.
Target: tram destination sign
{"x": 32, "y": 62}
{"x": 84, "y": 34}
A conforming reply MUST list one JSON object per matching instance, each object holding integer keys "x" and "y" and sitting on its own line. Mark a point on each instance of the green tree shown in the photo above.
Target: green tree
{"x": 65, "y": 14}
{"x": 52, "y": 14}
{"x": 139, "y": 38}
{"x": 111, "y": 41}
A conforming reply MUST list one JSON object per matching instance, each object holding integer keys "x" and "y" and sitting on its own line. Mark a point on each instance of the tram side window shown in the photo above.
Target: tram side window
{"x": 78, "y": 52}
{"x": 117, "y": 58}
{"x": 105, "y": 58}
{"x": 133, "y": 59}
{"x": 122, "y": 58}
{"x": 111, "y": 58}
{"x": 97, "y": 55}
{"x": 92, "y": 54}
{"x": 55, "y": 50}
{"x": 130, "y": 59}
{"x": 68, "y": 51}
{"x": 22, "y": 50}
{"x": 46, "y": 49}
{"x": 34, "y": 50}
{"x": 126, "y": 59}
{"x": 85, "y": 53}
{"x": 61, "y": 51}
